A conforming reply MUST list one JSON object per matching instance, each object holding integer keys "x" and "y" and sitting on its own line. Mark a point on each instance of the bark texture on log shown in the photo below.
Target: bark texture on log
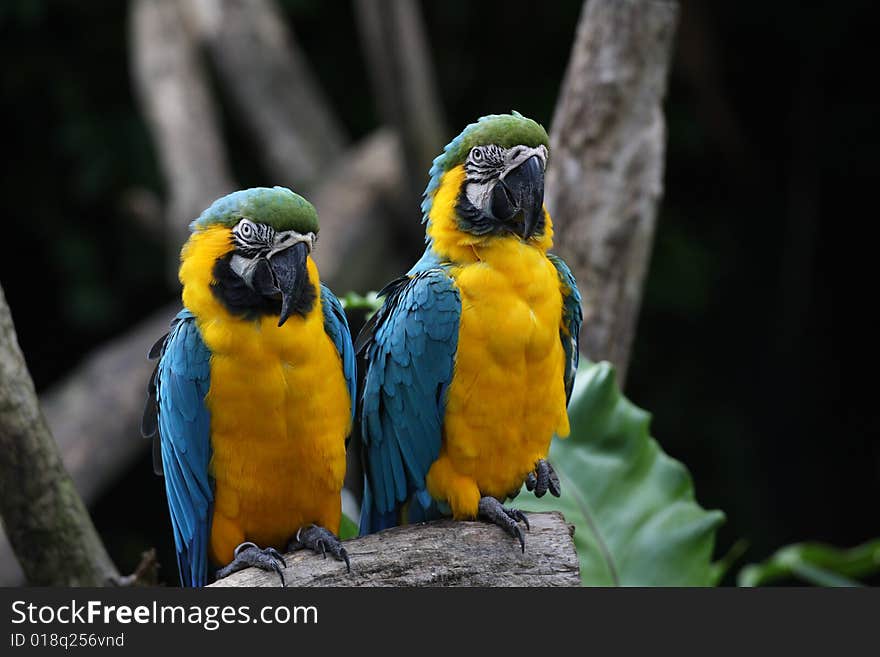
{"x": 264, "y": 73}
{"x": 605, "y": 179}
{"x": 172, "y": 88}
{"x": 44, "y": 517}
{"x": 442, "y": 553}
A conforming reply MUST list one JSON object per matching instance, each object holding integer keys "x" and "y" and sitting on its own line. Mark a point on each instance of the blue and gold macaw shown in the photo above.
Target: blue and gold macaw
{"x": 473, "y": 354}
{"x": 253, "y": 395}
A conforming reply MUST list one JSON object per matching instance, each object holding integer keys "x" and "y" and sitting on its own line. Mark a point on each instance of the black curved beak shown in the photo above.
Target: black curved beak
{"x": 522, "y": 190}
{"x": 290, "y": 276}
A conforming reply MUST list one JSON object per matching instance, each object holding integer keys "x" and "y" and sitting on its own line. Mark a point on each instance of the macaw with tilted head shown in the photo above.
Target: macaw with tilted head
{"x": 253, "y": 396}
{"x": 472, "y": 356}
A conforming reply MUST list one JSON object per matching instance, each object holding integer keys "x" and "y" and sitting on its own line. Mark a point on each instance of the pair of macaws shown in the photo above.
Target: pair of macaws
{"x": 470, "y": 363}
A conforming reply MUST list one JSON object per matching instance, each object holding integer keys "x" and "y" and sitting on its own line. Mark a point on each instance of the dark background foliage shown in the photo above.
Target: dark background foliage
{"x": 757, "y": 323}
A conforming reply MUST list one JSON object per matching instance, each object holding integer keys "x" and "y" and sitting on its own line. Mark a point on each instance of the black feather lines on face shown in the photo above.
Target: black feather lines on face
{"x": 484, "y": 163}
{"x": 258, "y": 240}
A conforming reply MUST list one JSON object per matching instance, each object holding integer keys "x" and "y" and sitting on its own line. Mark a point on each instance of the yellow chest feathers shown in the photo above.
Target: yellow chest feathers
{"x": 280, "y": 409}
{"x": 510, "y": 362}
{"x": 507, "y": 396}
{"x": 511, "y": 303}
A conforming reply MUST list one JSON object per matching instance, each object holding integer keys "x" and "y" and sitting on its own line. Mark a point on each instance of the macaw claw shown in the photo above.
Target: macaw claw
{"x": 491, "y": 509}
{"x": 249, "y": 554}
{"x": 544, "y": 478}
{"x": 321, "y": 541}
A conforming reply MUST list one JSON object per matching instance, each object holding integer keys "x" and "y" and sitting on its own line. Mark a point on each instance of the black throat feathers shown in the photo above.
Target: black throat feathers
{"x": 242, "y": 301}
{"x": 472, "y": 220}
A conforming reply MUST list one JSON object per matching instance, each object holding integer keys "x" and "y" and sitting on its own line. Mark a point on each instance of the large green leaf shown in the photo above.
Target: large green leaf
{"x": 633, "y": 508}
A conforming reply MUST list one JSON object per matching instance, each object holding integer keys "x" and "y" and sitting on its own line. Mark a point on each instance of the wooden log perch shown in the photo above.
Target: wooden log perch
{"x": 442, "y": 553}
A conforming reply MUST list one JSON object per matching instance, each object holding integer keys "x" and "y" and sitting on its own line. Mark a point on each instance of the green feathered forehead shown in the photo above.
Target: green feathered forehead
{"x": 277, "y": 207}
{"x": 505, "y": 130}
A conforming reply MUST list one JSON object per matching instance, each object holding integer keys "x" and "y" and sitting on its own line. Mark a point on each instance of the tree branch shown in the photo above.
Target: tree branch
{"x": 46, "y": 521}
{"x": 98, "y": 445}
{"x": 271, "y": 87}
{"x": 355, "y": 249}
{"x": 399, "y": 64}
{"x": 606, "y": 176}
{"x": 443, "y": 553}
{"x": 175, "y": 98}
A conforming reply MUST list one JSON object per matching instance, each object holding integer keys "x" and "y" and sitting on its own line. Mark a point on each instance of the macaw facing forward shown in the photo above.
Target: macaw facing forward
{"x": 473, "y": 354}
{"x": 253, "y": 395}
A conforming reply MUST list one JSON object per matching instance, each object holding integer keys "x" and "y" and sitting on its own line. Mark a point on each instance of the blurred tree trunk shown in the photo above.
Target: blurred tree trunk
{"x": 176, "y": 100}
{"x": 48, "y": 525}
{"x": 606, "y": 175}
{"x": 404, "y": 89}
{"x": 273, "y": 91}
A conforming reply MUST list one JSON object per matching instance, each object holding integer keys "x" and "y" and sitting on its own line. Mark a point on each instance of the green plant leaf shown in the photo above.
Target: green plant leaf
{"x": 636, "y": 520}
{"x": 815, "y": 563}
{"x": 347, "y": 528}
{"x": 371, "y": 302}
{"x": 721, "y": 567}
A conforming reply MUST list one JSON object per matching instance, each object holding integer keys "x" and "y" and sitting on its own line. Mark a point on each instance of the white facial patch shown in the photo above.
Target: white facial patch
{"x": 245, "y": 266}
{"x": 288, "y": 238}
{"x": 515, "y": 156}
{"x": 479, "y": 193}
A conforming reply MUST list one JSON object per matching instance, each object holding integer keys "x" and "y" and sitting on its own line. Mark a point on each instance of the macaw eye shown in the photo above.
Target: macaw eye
{"x": 245, "y": 229}
{"x": 477, "y": 154}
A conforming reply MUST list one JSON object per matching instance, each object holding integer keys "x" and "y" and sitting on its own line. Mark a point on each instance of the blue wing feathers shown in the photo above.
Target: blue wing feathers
{"x": 411, "y": 350}
{"x": 182, "y": 381}
{"x": 572, "y": 318}
{"x": 336, "y": 326}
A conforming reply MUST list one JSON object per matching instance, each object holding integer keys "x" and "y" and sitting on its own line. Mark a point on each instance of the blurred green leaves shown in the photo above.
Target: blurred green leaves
{"x": 347, "y": 528}
{"x": 371, "y": 302}
{"x": 637, "y": 522}
{"x": 815, "y": 563}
